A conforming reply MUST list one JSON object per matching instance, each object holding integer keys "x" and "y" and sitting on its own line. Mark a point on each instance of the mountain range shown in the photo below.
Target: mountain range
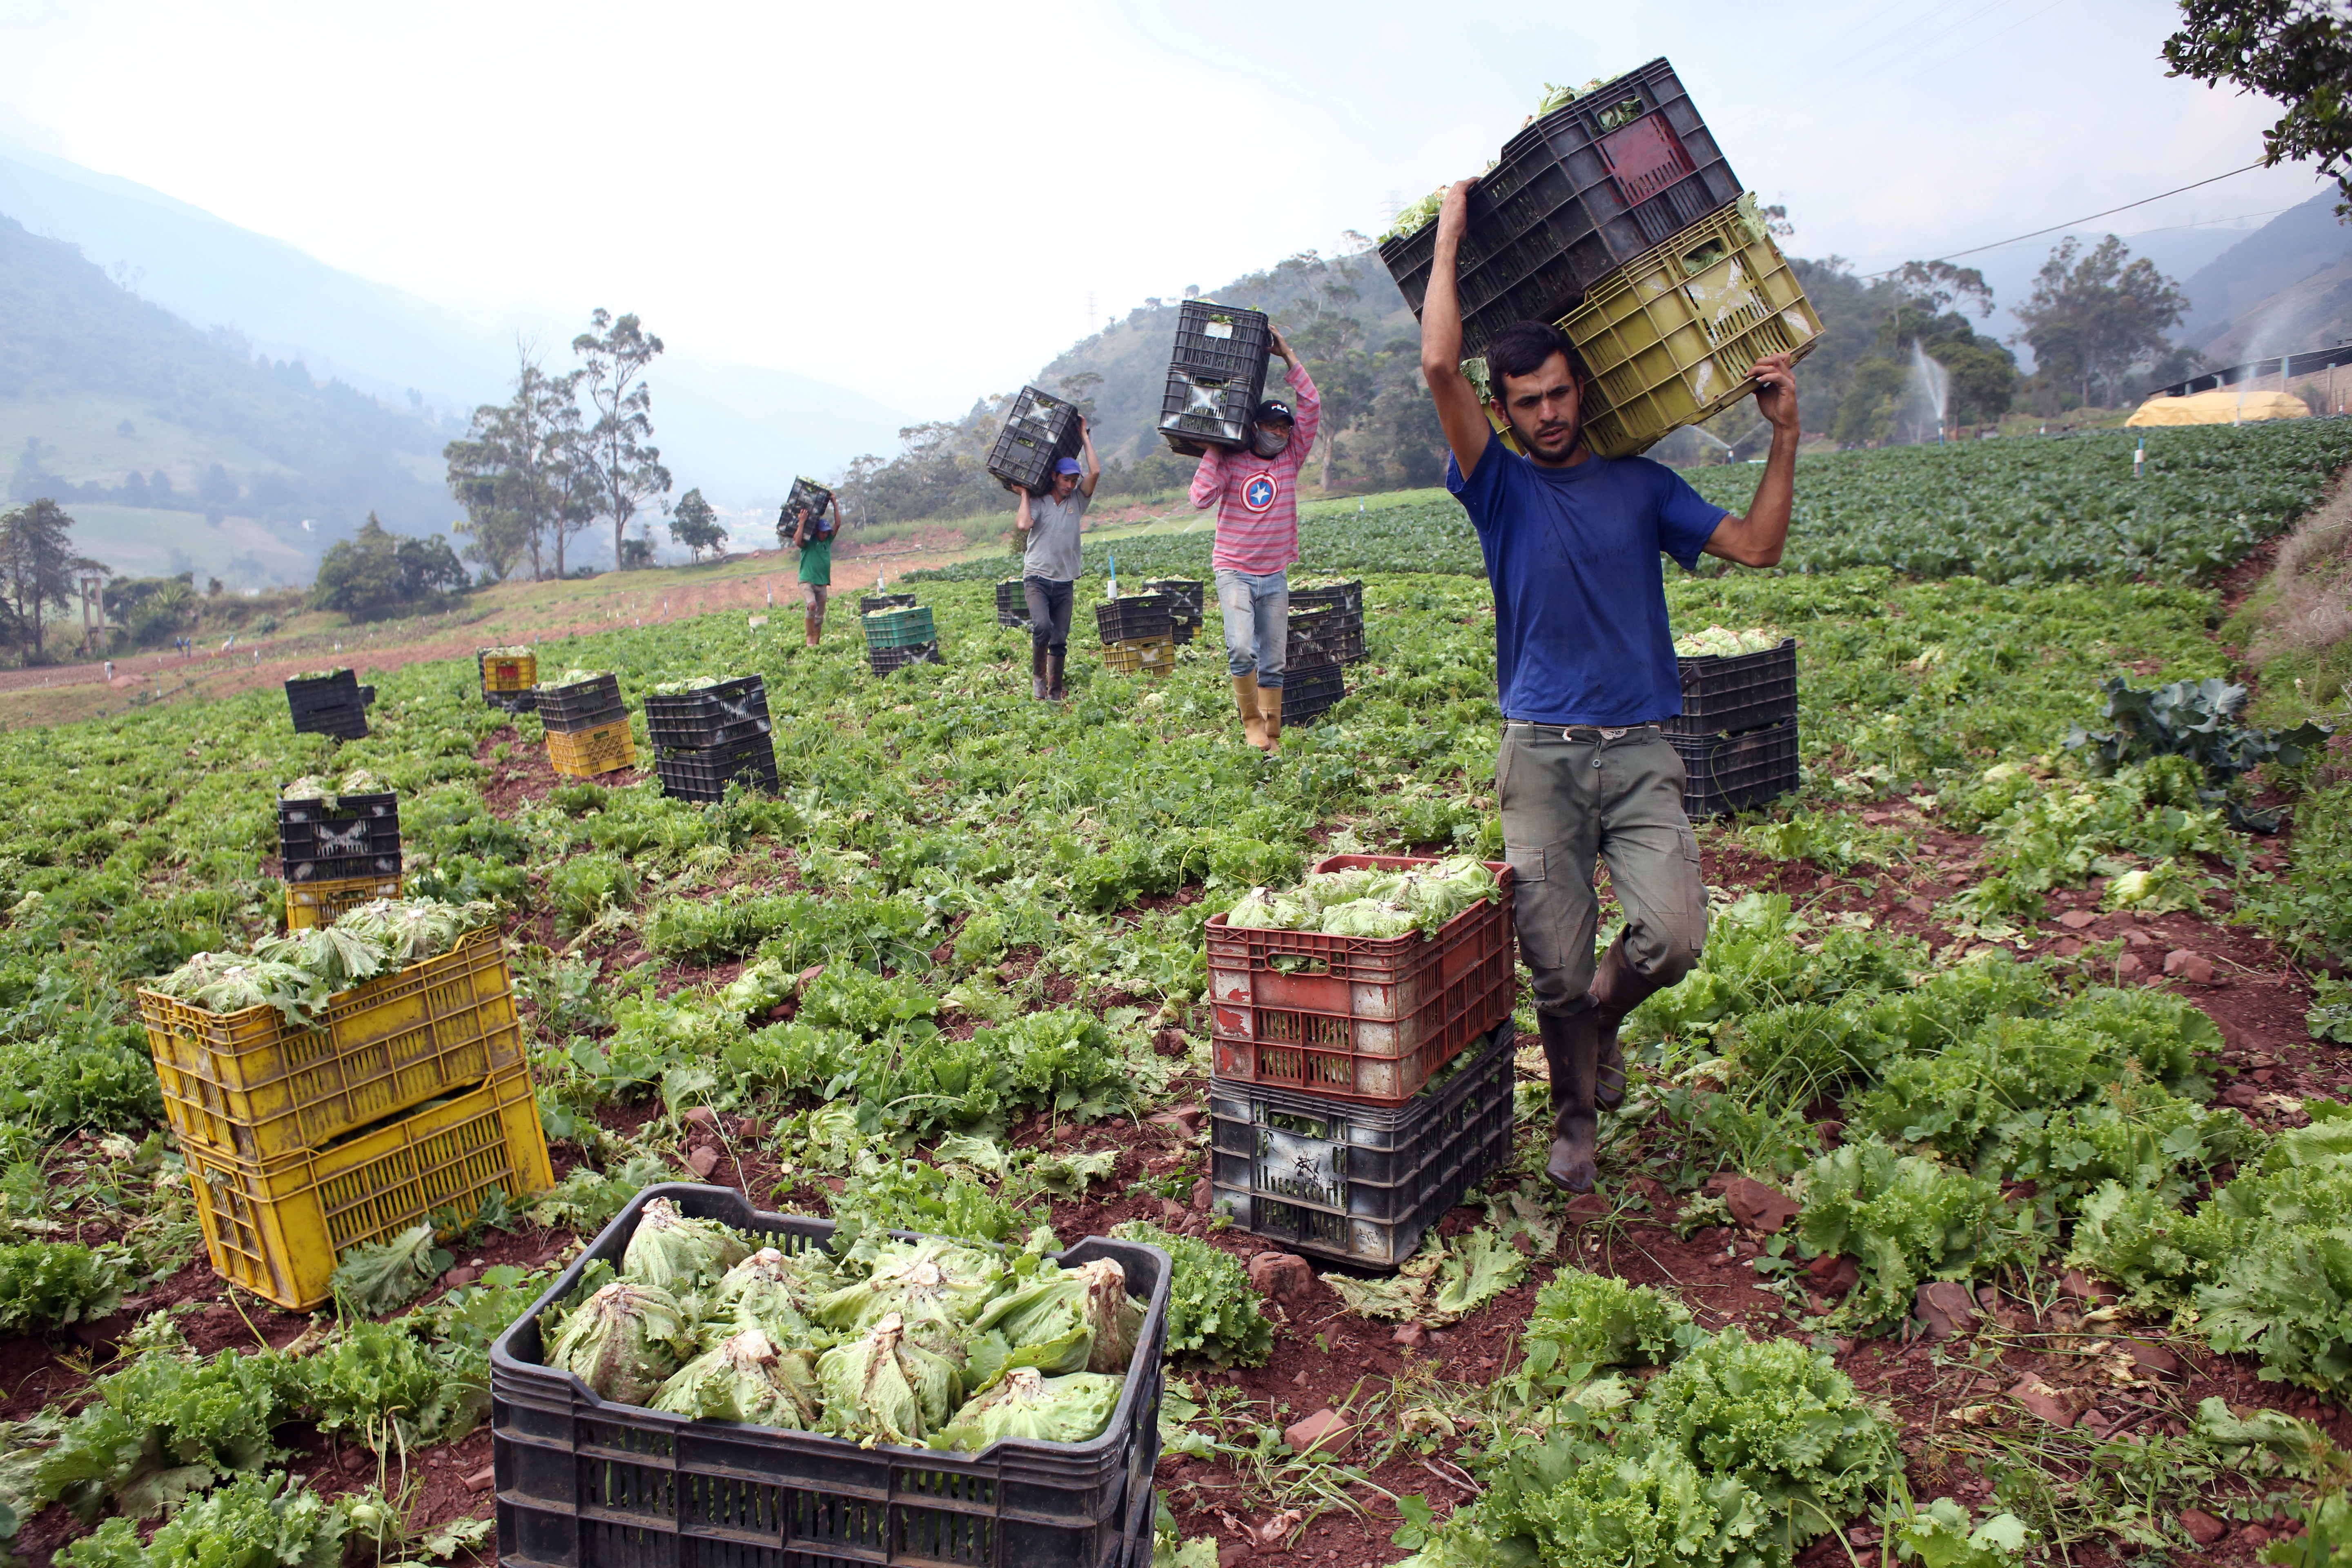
{"x": 152, "y": 353}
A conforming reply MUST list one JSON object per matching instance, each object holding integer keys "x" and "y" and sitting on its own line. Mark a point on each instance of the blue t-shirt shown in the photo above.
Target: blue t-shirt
{"x": 1580, "y": 632}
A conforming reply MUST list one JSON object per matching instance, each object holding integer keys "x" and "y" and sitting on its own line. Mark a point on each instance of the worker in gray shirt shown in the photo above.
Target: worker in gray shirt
{"x": 1050, "y": 564}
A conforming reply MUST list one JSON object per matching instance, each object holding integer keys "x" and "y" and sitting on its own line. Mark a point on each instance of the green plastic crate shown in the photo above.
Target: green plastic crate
{"x": 900, "y": 627}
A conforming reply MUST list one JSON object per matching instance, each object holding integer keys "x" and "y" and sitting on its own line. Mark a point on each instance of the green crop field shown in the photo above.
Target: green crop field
{"x": 944, "y": 977}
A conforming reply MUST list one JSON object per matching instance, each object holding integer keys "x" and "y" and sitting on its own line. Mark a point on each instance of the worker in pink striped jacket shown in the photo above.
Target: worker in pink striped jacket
{"x": 1255, "y": 493}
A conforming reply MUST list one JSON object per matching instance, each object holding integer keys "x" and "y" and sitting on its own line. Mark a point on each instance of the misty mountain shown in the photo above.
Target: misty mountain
{"x": 739, "y": 432}
{"x": 2230, "y": 297}
{"x": 108, "y": 401}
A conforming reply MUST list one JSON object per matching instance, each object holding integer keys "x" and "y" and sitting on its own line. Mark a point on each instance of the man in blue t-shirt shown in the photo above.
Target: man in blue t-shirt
{"x": 1584, "y": 662}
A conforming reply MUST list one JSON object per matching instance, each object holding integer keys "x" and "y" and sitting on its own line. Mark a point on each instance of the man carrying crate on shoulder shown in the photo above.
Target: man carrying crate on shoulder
{"x": 1255, "y": 493}
{"x": 811, "y": 535}
{"x": 1584, "y": 664}
{"x": 1051, "y": 563}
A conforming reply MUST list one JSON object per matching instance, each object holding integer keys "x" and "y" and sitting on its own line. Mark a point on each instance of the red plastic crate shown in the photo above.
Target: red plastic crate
{"x": 1358, "y": 1018}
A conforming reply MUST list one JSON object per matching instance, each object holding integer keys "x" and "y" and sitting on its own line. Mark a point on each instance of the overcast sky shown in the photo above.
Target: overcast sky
{"x": 919, "y": 200}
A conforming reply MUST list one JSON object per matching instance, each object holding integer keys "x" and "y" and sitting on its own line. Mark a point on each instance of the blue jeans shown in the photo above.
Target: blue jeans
{"x": 1256, "y": 608}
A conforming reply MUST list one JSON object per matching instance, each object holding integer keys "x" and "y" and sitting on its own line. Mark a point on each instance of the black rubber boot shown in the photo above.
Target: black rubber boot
{"x": 1054, "y": 686}
{"x": 1572, "y": 1049}
{"x": 1038, "y": 686}
{"x": 1617, "y": 989}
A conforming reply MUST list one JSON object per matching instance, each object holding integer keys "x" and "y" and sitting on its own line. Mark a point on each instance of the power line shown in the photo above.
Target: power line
{"x": 2054, "y": 229}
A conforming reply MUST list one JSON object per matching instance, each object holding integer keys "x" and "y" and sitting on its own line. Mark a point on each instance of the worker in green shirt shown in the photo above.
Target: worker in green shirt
{"x": 812, "y": 537}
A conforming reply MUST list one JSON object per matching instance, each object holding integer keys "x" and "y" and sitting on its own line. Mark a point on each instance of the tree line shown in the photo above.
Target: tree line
{"x": 535, "y": 472}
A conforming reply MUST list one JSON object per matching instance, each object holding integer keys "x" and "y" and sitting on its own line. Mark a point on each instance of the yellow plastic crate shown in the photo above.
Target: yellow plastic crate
{"x": 508, "y": 671}
{"x": 278, "y": 1226}
{"x": 1671, "y": 336}
{"x": 588, "y": 752}
{"x": 323, "y": 903}
{"x": 255, "y": 1086}
{"x": 1148, "y": 655}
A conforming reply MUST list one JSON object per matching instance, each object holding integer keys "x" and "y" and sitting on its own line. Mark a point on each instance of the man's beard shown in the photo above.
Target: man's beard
{"x": 1574, "y": 433}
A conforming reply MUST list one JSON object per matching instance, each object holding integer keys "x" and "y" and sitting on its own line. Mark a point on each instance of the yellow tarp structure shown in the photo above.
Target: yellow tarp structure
{"x": 2223, "y": 405}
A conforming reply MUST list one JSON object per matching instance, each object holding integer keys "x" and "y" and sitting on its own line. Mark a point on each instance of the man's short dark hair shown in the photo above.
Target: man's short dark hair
{"x": 1521, "y": 348}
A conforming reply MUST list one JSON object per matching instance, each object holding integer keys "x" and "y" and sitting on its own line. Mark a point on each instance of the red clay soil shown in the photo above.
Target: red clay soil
{"x": 1325, "y": 1356}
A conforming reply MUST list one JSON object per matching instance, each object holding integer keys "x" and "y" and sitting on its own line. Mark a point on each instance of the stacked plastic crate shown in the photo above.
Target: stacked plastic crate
{"x": 509, "y": 677}
{"x": 1184, "y": 600}
{"x": 707, "y": 736}
{"x": 898, "y": 632}
{"x": 587, "y": 727}
{"x": 336, "y": 853}
{"x": 1039, "y": 430}
{"x": 1011, "y": 604}
{"x": 1738, "y": 733}
{"x": 1325, "y": 635}
{"x": 1216, "y": 374}
{"x": 332, "y": 704}
{"x": 408, "y": 1101}
{"x": 1616, "y": 217}
{"x": 1361, "y": 1085}
{"x": 1138, "y": 633}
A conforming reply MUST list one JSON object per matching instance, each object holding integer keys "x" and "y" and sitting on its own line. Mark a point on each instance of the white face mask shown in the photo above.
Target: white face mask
{"x": 1269, "y": 441}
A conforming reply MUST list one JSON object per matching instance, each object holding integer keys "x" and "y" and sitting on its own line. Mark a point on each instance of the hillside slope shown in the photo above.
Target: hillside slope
{"x": 1131, "y": 356}
{"x": 739, "y": 432}
{"x": 2232, "y": 297}
{"x": 102, "y": 393}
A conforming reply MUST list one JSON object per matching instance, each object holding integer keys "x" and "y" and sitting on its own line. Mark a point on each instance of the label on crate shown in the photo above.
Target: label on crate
{"x": 1218, "y": 327}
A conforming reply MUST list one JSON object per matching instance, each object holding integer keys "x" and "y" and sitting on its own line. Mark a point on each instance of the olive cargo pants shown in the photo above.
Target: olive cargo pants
{"x": 1570, "y": 795}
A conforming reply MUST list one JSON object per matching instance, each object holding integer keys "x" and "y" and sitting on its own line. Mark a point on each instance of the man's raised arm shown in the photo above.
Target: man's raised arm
{"x": 1466, "y": 430}
{"x": 1757, "y": 538}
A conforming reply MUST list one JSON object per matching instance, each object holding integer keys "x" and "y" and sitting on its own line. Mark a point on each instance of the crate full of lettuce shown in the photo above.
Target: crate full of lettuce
{"x": 1734, "y": 680}
{"x": 1365, "y": 978}
{"x": 705, "y": 1370}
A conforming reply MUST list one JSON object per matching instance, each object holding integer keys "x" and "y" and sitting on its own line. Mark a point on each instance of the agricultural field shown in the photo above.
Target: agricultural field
{"x": 1983, "y": 1197}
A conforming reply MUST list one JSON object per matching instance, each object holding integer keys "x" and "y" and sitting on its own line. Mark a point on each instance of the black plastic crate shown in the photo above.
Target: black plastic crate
{"x": 1134, "y": 616}
{"x": 1216, "y": 374}
{"x": 1222, "y": 341}
{"x": 1732, "y": 772}
{"x": 1572, "y": 197}
{"x": 1359, "y": 1182}
{"x": 1348, "y": 596}
{"x": 351, "y": 835}
{"x": 890, "y": 660}
{"x": 1328, "y": 635}
{"x": 1185, "y": 631}
{"x": 583, "y": 705}
{"x": 307, "y": 694}
{"x": 810, "y": 494}
{"x": 701, "y": 773}
{"x": 1308, "y": 691}
{"x": 1199, "y": 410}
{"x": 581, "y": 1483}
{"x": 526, "y": 702}
{"x": 713, "y": 716}
{"x": 1040, "y": 429}
{"x": 1184, "y": 596}
{"x": 1741, "y": 691}
{"x": 873, "y": 602}
{"x": 1013, "y": 604}
{"x": 345, "y": 723}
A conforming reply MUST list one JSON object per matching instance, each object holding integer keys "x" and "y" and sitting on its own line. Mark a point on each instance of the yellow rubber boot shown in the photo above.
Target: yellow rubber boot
{"x": 1269, "y": 708}
{"x": 1246, "y": 697}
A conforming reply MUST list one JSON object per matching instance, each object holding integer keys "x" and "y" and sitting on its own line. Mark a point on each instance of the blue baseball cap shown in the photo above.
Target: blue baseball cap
{"x": 1067, "y": 466}
{"x": 1273, "y": 413}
